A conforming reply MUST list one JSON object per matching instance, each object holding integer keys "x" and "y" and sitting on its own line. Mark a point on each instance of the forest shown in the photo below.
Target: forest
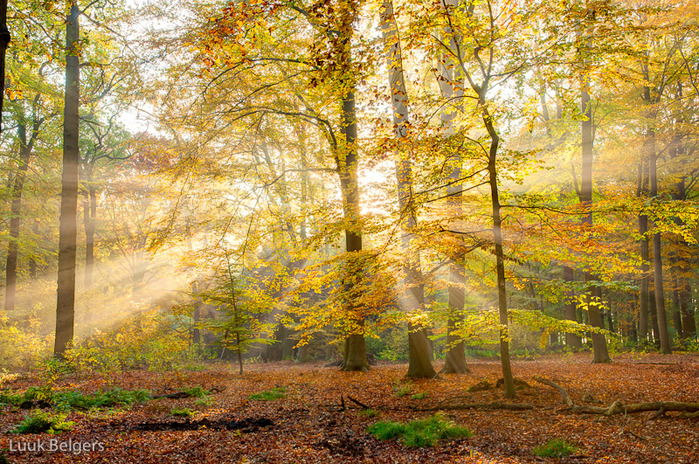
{"x": 349, "y": 231}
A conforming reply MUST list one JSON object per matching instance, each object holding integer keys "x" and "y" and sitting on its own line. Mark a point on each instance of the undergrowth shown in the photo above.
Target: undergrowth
{"x": 74, "y": 399}
{"x": 183, "y": 412}
{"x": 40, "y": 422}
{"x": 419, "y": 433}
{"x": 269, "y": 395}
{"x": 556, "y": 448}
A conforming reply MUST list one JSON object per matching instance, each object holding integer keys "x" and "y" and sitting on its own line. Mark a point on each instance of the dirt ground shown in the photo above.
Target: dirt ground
{"x": 310, "y": 425}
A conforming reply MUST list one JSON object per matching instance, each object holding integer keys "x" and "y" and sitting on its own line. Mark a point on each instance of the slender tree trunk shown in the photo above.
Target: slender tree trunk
{"x": 645, "y": 292}
{"x": 240, "y": 353}
{"x": 572, "y": 340}
{"x": 677, "y": 312}
{"x": 599, "y": 342}
{"x": 683, "y": 257}
{"x": 665, "y": 346}
{"x": 25, "y": 153}
{"x": 4, "y": 43}
{"x": 420, "y": 364}
{"x": 653, "y": 313}
{"x": 67, "y": 242}
{"x": 689, "y": 325}
{"x": 90, "y": 218}
{"x": 499, "y": 254}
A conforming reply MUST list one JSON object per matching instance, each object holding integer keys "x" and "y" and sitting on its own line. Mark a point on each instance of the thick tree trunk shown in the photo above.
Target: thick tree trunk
{"x": 599, "y": 342}
{"x": 67, "y": 242}
{"x": 451, "y": 84}
{"x": 25, "y": 153}
{"x": 455, "y": 362}
{"x": 355, "y": 358}
{"x": 420, "y": 364}
{"x": 355, "y": 348}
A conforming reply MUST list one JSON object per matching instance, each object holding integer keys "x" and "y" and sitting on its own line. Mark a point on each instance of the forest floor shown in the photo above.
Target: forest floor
{"x": 309, "y": 425}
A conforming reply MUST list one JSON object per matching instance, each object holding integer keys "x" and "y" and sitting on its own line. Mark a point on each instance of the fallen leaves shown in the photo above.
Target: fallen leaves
{"x": 300, "y": 427}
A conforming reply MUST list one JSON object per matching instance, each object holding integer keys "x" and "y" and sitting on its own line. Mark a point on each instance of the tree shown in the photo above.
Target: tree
{"x": 451, "y": 84}
{"x": 26, "y": 146}
{"x": 485, "y": 21}
{"x": 599, "y": 342}
{"x": 67, "y": 245}
{"x": 419, "y": 355}
{"x": 4, "y": 43}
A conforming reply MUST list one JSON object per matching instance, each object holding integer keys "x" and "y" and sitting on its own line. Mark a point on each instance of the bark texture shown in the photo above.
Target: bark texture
{"x": 420, "y": 363}
{"x": 67, "y": 249}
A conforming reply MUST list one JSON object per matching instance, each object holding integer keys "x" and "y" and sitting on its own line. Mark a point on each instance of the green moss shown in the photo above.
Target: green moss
{"x": 419, "y": 433}
{"x": 556, "y": 448}
{"x": 269, "y": 395}
{"x": 197, "y": 392}
{"x": 183, "y": 412}
{"x": 369, "y": 412}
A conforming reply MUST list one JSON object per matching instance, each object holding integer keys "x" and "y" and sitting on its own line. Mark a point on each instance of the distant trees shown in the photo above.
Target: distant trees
{"x": 495, "y": 199}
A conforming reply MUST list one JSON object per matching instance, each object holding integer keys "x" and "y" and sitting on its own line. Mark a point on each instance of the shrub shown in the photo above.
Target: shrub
{"x": 556, "y": 448}
{"x": 21, "y": 349}
{"x": 8, "y": 397}
{"x": 419, "y": 433}
{"x": 197, "y": 392}
{"x": 40, "y": 422}
{"x": 419, "y": 396}
{"x": 146, "y": 340}
{"x": 110, "y": 398}
{"x": 269, "y": 395}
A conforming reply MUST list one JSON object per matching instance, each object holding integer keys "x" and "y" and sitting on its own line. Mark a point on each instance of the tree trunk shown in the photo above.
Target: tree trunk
{"x": 599, "y": 342}
{"x": 499, "y": 254}
{"x": 4, "y": 43}
{"x": 67, "y": 242}
{"x": 676, "y": 311}
{"x": 355, "y": 348}
{"x": 240, "y": 353}
{"x": 355, "y": 358}
{"x": 451, "y": 84}
{"x": 90, "y": 217}
{"x": 573, "y": 341}
{"x": 25, "y": 153}
{"x": 665, "y": 346}
{"x": 653, "y": 313}
{"x": 420, "y": 364}
{"x": 645, "y": 257}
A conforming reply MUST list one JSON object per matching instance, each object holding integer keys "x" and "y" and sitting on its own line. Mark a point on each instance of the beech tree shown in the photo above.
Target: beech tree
{"x": 67, "y": 245}
{"x": 413, "y": 297}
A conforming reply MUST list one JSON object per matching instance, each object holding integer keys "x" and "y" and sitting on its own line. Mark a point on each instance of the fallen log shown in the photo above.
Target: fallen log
{"x": 689, "y": 410}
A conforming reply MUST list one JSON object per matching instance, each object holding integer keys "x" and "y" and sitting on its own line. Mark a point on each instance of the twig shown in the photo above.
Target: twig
{"x": 362, "y": 405}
